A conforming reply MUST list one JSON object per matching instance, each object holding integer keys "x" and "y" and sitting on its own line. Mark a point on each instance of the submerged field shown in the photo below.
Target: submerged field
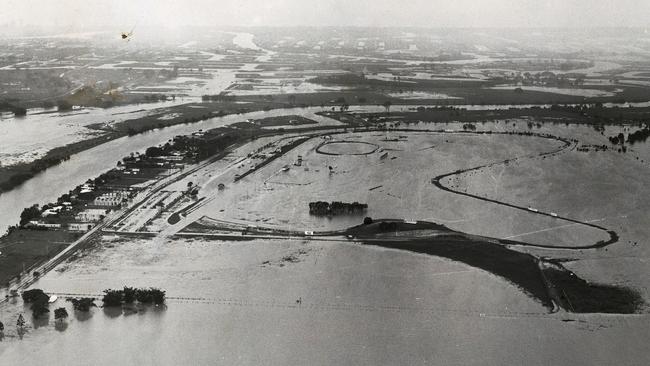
{"x": 396, "y": 186}
{"x": 236, "y": 302}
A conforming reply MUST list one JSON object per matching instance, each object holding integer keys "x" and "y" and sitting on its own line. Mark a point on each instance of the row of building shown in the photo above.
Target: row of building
{"x": 84, "y": 221}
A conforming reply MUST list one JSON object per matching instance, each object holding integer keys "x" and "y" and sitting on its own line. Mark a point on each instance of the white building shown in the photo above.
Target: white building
{"x": 112, "y": 199}
{"x": 42, "y": 225}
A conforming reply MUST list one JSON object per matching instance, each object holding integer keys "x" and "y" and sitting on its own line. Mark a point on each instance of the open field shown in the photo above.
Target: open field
{"x": 28, "y": 248}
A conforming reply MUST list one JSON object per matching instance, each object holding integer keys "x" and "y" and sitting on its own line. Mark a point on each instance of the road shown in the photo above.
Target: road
{"x": 613, "y": 236}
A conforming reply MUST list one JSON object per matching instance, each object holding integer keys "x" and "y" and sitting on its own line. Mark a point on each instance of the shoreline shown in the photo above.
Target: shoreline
{"x": 13, "y": 176}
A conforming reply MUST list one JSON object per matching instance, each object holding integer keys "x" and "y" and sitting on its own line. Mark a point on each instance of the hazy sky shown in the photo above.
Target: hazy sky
{"x": 82, "y": 14}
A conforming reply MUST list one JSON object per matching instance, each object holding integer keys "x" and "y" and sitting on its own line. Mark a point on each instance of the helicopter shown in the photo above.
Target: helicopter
{"x": 127, "y": 36}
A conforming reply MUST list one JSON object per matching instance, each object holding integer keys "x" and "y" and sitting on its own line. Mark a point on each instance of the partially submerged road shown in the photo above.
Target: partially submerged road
{"x": 613, "y": 236}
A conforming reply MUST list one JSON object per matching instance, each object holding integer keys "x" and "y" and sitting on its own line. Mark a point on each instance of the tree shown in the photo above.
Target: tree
{"x": 153, "y": 152}
{"x": 39, "y": 308}
{"x": 83, "y": 304}
{"x": 29, "y": 214}
{"x": 129, "y": 294}
{"x": 387, "y": 105}
{"x": 367, "y": 221}
{"x": 112, "y": 298}
{"x": 63, "y": 105}
{"x": 2, "y": 327}
{"x": 34, "y": 295}
{"x": 20, "y": 323}
{"x": 19, "y": 111}
{"x": 60, "y": 314}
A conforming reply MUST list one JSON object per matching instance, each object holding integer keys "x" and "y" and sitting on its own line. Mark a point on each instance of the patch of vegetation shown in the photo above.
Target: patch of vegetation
{"x": 82, "y": 304}
{"x": 639, "y": 136}
{"x": 580, "y": 296}
{"x": 321, "y": 208}
{"x": 60, "y": 313}
{"x": 39, "y": 301}
{"x": 29, "y": 214}
{"x": 112, "y": 297}
{"x": 34, "y": 295}
{"x": 469, "y": 127}
{"x": 127, "y": 295}
{"x": 372, "y": 227}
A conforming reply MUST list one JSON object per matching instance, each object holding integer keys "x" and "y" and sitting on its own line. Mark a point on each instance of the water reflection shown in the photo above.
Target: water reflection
{"x": 21, "y": 331}
{"x": 130, "y": 310}
{"x": 113, "y": 311}
{"x": 41, "y": 321}
{"x": 61, "y": 325}
{"x": 82, "y": 316}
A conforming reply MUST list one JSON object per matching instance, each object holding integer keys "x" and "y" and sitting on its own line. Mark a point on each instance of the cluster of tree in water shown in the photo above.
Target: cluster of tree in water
{"x": 321, "y": 208}
{"x": 640, "y": 135}
{"x": 129, "y": 295}
{"x": 39, "y": 302}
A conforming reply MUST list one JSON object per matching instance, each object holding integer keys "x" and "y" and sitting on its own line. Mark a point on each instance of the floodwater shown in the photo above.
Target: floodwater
{"x": 397, "y": 186}
{"x": 236, "y": 302}
{"x": 24, "y": 139}
{"x": 371, "y": 306}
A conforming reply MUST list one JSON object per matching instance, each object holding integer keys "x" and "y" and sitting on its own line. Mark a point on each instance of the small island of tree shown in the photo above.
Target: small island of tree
{"x": 39, "y": 301}
{"x": 129, "y": 294}
{"x": 321, "y": 208}
{"x": 60, "y": 314}
{"x": 82, "y": 304}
